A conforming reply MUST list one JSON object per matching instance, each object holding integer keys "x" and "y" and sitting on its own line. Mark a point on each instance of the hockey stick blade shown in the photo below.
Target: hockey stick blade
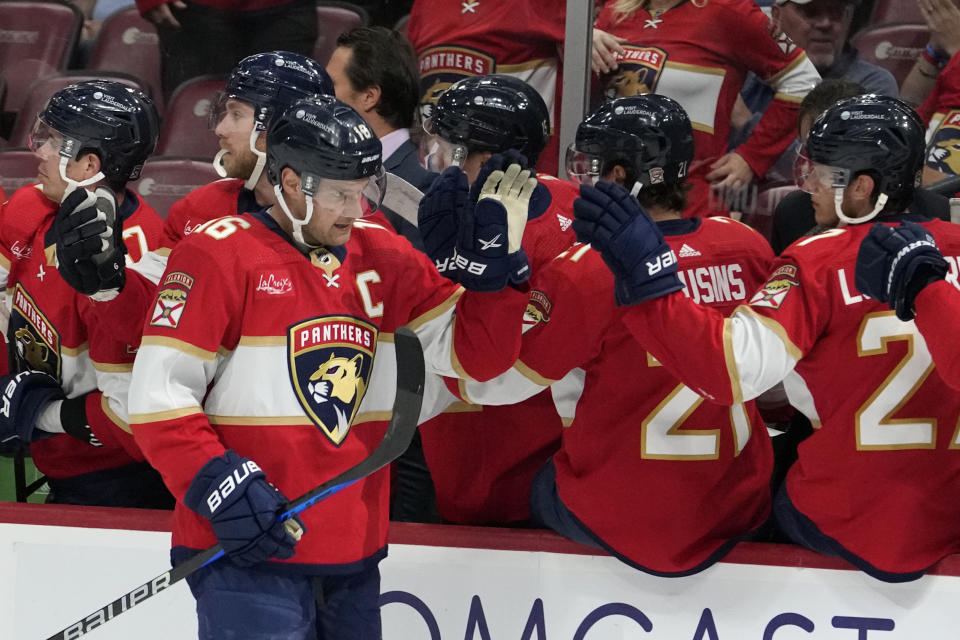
{"x": 402, "y": 426}
{"x": 402, "y": 198}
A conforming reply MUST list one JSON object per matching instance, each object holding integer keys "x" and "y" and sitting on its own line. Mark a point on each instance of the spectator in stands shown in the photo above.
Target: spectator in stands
{"x": 374, "y": 70}
{"x": 698, "y": 54}
{"x": 821, "y": 28}
{"x": 521, "y": 38}
{"x": 943, "y": 20}
{"x": 211, "y": 36}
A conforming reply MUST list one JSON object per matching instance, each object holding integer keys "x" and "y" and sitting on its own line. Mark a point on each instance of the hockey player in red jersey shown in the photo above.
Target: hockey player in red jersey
{"x": 863, "y": 376}
{"x": 66, "y": 393}
{"x": 270, "y": 345}
{"x": 635, "y": 424}
{"x": 520, "y": 38}
{"x": 903, "y": 267}
{"x": 476, "y": 479}
{"x": 699, "y": 53}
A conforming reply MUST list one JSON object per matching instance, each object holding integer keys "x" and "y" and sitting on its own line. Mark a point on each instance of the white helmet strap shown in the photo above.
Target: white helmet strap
{"x": 74, "y": 184}
{"x": 297, "y": 223}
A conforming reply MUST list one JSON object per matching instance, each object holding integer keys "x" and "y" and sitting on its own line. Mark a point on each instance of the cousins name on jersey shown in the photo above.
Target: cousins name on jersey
{"x": 714, "y": 284}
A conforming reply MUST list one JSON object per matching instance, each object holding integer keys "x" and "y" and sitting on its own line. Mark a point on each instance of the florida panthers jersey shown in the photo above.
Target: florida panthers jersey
{"x": 697, "y": 54}
{"x": 54, "y": 329}
{"x": 287, "y": 359}
{"x": 884, "y": 447}
{"x": 635, "y": 424}
{"x": 933, "y": 304}
{"x": 520, "y": 38}
{"x": 477, "y": 476}
{"x": 213, "y": 200}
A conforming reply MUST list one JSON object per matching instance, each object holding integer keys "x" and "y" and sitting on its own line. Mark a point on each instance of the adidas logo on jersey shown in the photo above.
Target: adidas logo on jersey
{"x": 564, "y": 222}
{"x": 686, "y": 251}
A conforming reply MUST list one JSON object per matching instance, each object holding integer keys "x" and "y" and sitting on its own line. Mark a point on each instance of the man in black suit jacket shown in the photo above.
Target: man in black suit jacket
{"x": 374, "y": 70}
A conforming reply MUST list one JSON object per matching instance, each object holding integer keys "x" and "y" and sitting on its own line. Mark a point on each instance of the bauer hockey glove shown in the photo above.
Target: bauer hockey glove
{"x": 488, "y": 254}
{"x": 438, "y": 217}
{"x": 895, "y": 263}
{"x": 90, "y": 247}
{"x": 613, "y": 222}
{"x": 541, "y": 197}
{"x": 25, "y": 396}
{"x": 233, "y": 494}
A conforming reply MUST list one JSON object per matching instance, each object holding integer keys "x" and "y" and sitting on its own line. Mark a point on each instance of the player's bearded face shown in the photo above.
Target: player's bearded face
{"x": 234, "y": 123}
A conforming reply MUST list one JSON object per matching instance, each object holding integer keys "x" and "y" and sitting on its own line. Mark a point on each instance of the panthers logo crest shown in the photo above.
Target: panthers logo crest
{"x": 943, "y": 153}
{"x": 638, "y": 72}
{"x": 331, "y": 359}
{"x": 35, "y": 342}
{"x": 442, "y": 65}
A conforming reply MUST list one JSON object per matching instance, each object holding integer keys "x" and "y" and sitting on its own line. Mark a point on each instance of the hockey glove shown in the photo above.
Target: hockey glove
{"x": 489, "y": 254}
{"x": 895, "y": 263}
{"x": 541, "y": 197}
{"x": 613, "y": 222}
{"x": 90, "y": 247}
{"x": 25, "y": 396}
{"x": 438, "y": 217}
{"x": 233, "y": 494}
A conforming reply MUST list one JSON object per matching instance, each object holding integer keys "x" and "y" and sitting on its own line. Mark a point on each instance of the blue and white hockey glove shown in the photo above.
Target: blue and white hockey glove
{"x": 488, "y": 254}
{"x": 895, "y": 263}
{"x": 90, "y": 248}
{"x": 25, "y": 396}
{"x": 438, "y": 217}
{"x": 613, "y": 222}
{"x": 233, "y": 494}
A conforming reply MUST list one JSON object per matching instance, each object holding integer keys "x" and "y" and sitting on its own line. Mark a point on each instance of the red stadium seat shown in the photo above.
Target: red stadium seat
{"x": 894, "y": 47}
{"x": 40, "y": 90}
{"x": 18, "y": 167}
{"x": 36, "y": 38}
{"x": 128, "y": 43}
{"x": 186, "y": 130}
{"x": 166, "y": 180}
{"x": 333, "y": 18}
{"x": 896, "y": 11}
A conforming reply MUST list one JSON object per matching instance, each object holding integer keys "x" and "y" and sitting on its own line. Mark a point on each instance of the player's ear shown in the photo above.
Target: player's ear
{"x": 290, "y": 181}
{"x": 89, "y": 164}
{"x": 862, "y": 187}
{"x": 618, "y": 174}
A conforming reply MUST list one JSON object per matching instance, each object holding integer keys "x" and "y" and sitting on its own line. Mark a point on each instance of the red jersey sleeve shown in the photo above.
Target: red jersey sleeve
{"x": 937, "y": 305}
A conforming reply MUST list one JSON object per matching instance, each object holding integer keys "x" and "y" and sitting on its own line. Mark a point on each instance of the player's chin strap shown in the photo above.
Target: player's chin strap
{"x": 838, "y": 200}
{"x": 297, "y": 224}
{"x": 74, "y": 184}
{"x": 257, "y": 171}
{"x": 635, "y": 190}
{"x": 251, "y": 182}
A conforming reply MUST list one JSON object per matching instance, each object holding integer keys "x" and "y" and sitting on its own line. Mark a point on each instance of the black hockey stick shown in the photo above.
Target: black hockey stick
{"x": 403, "y": 424}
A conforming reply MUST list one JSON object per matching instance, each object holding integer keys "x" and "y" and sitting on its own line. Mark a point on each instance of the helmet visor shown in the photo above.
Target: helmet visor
{"x": 813, "y": 177}
{"x": 44, "y": 139}
{"x": 348, "y": 198}
{"x": 583, "y": 167}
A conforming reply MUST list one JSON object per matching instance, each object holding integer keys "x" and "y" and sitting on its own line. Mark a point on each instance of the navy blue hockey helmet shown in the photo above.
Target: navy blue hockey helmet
{"x": 113, "y": 120}
{"x": 649, "y": 135}
{"x": 873, "y": 134}
{"x": 271, "y": 82}
{"x": 321, "y": 137}
{"x": 492, "y": 113}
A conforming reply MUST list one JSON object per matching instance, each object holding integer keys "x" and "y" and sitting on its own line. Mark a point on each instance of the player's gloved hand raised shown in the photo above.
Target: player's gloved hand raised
{"x": 233, "y": 494}
{"x": 438, "y": 217}
{"x": 25, "y": 396}
{"x": 643, "y": 264}
{"x": 90, "y": 248}
{"x": 895, "y": 263}
{"x": 488, "y": 253}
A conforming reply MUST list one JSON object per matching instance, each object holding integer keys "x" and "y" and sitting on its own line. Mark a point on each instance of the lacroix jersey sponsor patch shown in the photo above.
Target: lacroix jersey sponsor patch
{"x": 638, "y": 72}
{"x": 275, "y": 282}
{"x": 778, "y": 286}
{"x": 331, "y": 358}
{"x": 170, "y": 304}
